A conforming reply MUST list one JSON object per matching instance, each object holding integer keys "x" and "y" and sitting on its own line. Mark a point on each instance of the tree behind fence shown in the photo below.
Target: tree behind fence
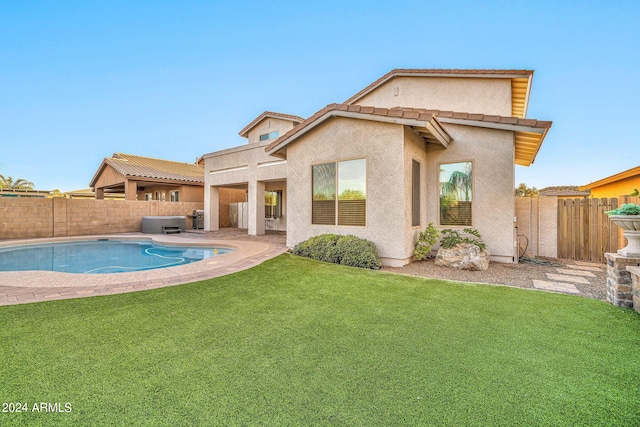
{"x": 585, "y": 232}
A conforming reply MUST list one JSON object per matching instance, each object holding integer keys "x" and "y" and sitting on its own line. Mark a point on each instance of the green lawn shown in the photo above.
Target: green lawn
{"x": 298, "y": 342}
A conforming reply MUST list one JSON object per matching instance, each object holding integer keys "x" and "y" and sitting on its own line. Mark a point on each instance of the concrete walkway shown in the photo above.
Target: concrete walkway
{"x": 20, "y": 287}
{"x": 564, "y": 279}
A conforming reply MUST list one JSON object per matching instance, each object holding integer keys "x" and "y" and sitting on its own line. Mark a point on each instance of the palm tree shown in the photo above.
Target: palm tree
{"x": 453, "y": 192}
{"x": 7, "y": 182}
{"x": 459, "y": 182}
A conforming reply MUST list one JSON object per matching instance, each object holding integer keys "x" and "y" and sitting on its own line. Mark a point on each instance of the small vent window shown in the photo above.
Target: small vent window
{"x": 270, "y": 135}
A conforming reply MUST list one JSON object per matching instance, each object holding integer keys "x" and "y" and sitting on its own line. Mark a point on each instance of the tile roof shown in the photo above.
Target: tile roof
{"x": 149, "y": 167}
{"x": 437, "y": 72}
{"x": 410, "y": 116}
{"x": 265, "y": 115}
{"x": 413, "y": 114}
{"x": 564, "y": 193}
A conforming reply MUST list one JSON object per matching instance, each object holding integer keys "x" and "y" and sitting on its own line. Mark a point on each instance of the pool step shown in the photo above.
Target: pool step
{"x": 170, "y": 229}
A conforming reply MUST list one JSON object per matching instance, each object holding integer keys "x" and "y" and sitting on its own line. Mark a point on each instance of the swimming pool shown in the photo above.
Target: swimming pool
{"x": 101, "y": 256}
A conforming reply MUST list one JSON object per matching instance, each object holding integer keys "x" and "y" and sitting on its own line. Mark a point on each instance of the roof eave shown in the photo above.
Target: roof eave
{"x": 613, "y": 178}
{"x": 432, "y": 125}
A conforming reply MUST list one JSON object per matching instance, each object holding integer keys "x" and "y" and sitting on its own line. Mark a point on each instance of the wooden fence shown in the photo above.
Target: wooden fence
{"x": 585, "y": 232}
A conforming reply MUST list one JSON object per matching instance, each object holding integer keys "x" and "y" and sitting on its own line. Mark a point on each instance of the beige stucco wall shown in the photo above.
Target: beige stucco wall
{"x": 470, "y": 95}
{"x": 537, "y": 220}
{"x": 344, "y": 139}
{"x": 238, "y": 167}
{"x": 548, "y": 227}
{"x": 492, "y": 154}
{"x": 415, "y": 148}
{"x": 269, "y": 125}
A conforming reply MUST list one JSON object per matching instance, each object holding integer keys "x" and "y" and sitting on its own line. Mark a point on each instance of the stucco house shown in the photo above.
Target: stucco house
{"x": 413, "y": 147}
{"x": 621, "y": 184}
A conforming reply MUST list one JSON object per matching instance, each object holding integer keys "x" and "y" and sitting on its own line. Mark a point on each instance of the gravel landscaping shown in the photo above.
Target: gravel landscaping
{"x": 520, "y": 275}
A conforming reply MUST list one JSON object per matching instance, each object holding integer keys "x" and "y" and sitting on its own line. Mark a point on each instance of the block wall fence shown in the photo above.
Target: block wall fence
{"x": 22, "y": 218}
{"x": 537, "y": 226}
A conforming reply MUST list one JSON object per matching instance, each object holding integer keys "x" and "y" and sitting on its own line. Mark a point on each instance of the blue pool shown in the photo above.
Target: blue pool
{"x": 101, "y": 256}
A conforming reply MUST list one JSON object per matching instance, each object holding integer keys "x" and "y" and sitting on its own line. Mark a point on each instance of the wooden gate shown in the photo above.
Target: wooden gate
{"x": 585, "y": 232}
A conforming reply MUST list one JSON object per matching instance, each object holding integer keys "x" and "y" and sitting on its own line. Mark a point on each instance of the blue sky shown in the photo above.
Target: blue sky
{"x": 178, "y": 79}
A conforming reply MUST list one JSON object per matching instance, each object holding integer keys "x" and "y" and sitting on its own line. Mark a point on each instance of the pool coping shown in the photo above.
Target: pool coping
{"x": 19, "y": 287}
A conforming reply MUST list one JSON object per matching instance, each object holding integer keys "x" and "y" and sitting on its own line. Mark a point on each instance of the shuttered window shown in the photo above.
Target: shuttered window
{"x": 347, "y": 179}
{"x": 415, "y": 193}
{"x": 323, "y": 211}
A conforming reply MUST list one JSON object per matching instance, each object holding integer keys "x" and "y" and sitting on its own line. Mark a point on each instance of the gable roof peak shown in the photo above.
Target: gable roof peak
{"x": 295, "y": 119}
{"x": 520, "y": 79}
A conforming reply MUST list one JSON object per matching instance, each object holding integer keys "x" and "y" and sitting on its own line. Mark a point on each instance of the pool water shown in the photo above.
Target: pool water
{"x": 101, "y": 256}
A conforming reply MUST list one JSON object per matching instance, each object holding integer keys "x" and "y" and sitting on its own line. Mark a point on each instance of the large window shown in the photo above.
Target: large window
{"x": 456, "y": 194}
{"x": 174, "y": 196}
{"x": 415, "y": 193}
{"x": 340, "y": 193}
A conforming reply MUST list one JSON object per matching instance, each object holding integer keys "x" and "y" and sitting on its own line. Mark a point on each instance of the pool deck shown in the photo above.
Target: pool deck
{"x": 21, "y": 287}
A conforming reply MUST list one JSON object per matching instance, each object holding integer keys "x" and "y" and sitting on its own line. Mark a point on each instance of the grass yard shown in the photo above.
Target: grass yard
{"x": 298, "y": 342}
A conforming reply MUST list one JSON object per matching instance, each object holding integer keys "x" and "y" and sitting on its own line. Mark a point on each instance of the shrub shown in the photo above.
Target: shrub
{"x": 346, "y": 250}
{"x": 357, "y": 252}
{"x": 426, "y": 240}
{"x": 321, "y": 248}
{"x": 469, "y": 235}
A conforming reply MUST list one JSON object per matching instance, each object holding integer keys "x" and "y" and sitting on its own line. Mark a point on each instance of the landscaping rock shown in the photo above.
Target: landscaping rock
{"x": 464, "y": 256}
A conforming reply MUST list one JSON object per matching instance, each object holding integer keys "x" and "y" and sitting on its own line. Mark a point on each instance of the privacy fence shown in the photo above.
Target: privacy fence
{"x": 579, "y": 229}
{"x": 23, "y": 217}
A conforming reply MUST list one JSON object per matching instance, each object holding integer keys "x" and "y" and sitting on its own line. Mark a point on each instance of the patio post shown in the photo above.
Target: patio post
{"x": 212, "y": 215}
{"x": 256, "y": 208}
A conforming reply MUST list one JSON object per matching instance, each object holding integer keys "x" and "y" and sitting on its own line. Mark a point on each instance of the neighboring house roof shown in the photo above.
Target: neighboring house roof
{"x": 563, "y": 192}
{"x": 87, "y": 193}
{"x": 529, "y": 132}
{"x": 151, "y": 168}
{"x": 633, "y": 172}
{"x": 520, "y": 83}
{"x": 269, "y": 114}
{"x": 7, "y": 192}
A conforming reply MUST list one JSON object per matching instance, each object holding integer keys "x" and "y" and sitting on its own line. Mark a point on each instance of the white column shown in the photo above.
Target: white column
{"x": 256, "y": 208}
{"x": 212, "y": 209}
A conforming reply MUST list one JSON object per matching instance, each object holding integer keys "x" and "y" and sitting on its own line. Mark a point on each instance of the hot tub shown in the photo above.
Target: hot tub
{"x": 164, "y": 224}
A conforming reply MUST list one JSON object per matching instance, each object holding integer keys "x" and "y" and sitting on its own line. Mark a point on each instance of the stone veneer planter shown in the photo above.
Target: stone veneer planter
{"x": 631, "y": 226}
{"x": 635, "y": 285}
{"x": 620, "y": 284}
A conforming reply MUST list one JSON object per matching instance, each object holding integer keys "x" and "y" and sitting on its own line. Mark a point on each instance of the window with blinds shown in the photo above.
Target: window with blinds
{"x": 323, "y": 211}
{"x": 347, "y": 180}
{"x": 415, "y": 193}
{"x": 456, "y": 194}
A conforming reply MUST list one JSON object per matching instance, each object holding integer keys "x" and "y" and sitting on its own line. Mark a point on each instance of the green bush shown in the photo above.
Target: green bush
{"x": 346, "y": 250}
{"x": 321, "y": 248}
{"x": 469, "y": 235}
{"x": 357, "y": 252}
{"x": 426, "y": 240}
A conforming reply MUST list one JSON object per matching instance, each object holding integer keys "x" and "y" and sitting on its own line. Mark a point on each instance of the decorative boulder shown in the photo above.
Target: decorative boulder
{"x": 464, "y": 256}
